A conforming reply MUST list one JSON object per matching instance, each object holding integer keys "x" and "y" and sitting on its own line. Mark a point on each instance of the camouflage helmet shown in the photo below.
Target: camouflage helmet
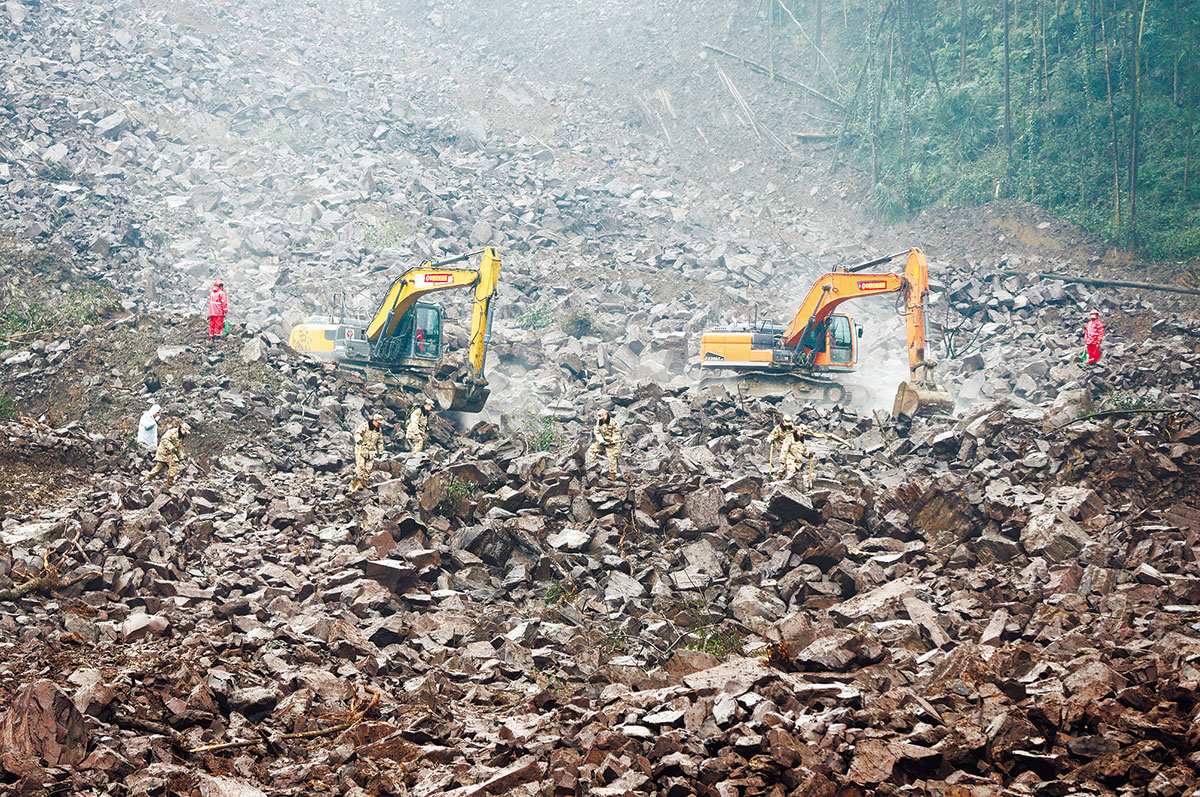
{"x": 184, "y": 429}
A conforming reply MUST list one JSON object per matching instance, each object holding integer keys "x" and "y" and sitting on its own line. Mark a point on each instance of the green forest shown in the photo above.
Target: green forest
{"x": 1085, "y": 107}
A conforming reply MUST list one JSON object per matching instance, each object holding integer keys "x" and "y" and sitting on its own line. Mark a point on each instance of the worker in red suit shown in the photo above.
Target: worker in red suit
{"x": 1093, "y": 336}
{"x": 218, "y": 306}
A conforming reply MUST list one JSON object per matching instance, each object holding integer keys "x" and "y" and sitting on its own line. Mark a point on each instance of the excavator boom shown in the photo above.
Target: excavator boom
{"x": 830, "y": 291}
{"x": 426, "y": 278}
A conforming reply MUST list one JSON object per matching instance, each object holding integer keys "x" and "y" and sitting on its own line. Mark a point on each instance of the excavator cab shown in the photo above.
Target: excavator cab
{"x": 840, "y": 341}
{"x": 418, "y": 335}
{"x": 832, "y": 344}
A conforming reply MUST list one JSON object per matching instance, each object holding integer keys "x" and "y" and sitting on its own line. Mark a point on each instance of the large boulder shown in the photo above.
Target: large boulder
{"x": 43, "y": 724}
{"x": 1053, "y": 536}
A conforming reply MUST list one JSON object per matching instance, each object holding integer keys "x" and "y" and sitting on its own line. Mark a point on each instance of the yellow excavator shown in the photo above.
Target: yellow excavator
{"x": 404, "y": 337}
{"x": 805, "y": 357}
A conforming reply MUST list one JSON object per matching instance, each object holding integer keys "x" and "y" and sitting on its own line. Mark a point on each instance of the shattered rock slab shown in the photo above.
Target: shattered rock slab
{"x": 43, "y": 724}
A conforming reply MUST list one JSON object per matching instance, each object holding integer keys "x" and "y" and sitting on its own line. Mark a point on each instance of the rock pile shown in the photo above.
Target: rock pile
{"x": 974, "y": 603}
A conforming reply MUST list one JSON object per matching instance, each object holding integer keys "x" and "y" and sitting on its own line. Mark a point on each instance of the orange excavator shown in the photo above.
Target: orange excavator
{"x": 806, "y": 356}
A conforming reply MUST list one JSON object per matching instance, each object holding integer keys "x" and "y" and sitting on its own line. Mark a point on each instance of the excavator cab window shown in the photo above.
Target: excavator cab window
{"x": 841, "y": 340}
{"x": 427, "y": 331}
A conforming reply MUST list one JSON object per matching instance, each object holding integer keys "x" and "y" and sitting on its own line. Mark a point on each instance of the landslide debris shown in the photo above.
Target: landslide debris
{"x": 995, "y": 600}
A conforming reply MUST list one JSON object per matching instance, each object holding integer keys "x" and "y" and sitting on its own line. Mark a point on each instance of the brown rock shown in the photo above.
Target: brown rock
{"x": 524, "y": 771}
{"x": 686, "y": 662}
{"x": 43, "y": 723}
{"x": 874, "y": 759}
{"x": 210, "y": 786}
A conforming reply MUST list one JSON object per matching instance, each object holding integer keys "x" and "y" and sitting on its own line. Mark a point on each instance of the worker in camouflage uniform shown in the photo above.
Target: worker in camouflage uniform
{"x": 607, "y": 439}
{"x": 170, "y": 451}
{"x": 368, "y": 446}
{"x": 778, "y": 439}
{"x": 793, "y": 452}
{"x": 417, "y": 431}
{"x": 796, "y": 451}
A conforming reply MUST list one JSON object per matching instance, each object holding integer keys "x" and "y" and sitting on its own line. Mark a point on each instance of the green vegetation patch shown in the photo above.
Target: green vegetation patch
{"x": 537, "y": 317}
{"x": 578, "y": 323}
{"x": 1090, "y": 111}
{"x": 539, "y": 433}
{"x": 38, "y": 293}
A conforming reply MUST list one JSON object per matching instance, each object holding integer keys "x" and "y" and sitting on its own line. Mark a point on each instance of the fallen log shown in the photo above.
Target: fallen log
{"x": 1103, "y": 283}
{"x": 754, "y": 66}
{"x": 267, "y": 740}
{"x": 1108, "y": 413}
{"x": 44, "y": 585}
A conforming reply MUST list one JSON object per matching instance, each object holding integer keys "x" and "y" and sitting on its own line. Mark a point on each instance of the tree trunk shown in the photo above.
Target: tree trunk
{"x": 928, "y": 54}
{"x": 1007, "y": 89}
{"x": 1134, "y": 103}
{"x": 1045, "y": 62}
{"x": 905, "y": 11}
{"x": 1175, "y": 79}
{"x": 817, "y": 44}
{"x": 1112, "y": 123}
{"x": 1187, "y": 149}
{"x": 962, "y": 42}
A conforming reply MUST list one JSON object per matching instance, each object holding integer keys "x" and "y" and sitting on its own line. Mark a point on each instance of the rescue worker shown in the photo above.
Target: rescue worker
{"x": 417, "y": 431}
{"x": 1093, "y": 336}
{"x": 218, "y": 307}
{"x": 368, "y": 446}
{"x": 607, "y": 439}
{"x": 778, "y": 436}
{"x": 170, "y": 451}
{"x": 147, "y": 435}
{"x": 794, "y": 453}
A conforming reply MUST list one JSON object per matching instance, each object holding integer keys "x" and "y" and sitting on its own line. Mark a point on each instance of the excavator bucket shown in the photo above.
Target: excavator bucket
{"x": 920, "y": 395}
{"x": 913, "y": 399}
{"x": 458, "y": 396}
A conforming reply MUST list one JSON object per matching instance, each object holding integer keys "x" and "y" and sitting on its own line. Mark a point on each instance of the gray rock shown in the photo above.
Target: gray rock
{"x": 569, "y": 539}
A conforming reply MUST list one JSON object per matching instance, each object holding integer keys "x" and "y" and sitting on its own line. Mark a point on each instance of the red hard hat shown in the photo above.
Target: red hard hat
{"x": 218, "y": 284}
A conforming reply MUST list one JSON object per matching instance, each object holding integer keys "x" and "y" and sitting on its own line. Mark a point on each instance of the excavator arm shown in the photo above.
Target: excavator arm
{"x": 833, "y": 289}
{"x": 916, "y": 291}
{"x": 481, "y": 311}
{"x": 430, "y": 278}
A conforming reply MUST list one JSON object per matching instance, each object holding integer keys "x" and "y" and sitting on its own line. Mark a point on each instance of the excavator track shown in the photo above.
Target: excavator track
{"x": 448, "y": 394}
{"x": 801, "y": 387}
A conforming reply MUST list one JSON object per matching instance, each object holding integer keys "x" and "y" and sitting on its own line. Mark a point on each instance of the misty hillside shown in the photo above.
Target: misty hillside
{"x": 993, "y": 593}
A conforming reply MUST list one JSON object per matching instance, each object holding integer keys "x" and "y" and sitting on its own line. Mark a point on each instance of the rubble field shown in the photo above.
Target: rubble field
{"x": 1002, "y": 601}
